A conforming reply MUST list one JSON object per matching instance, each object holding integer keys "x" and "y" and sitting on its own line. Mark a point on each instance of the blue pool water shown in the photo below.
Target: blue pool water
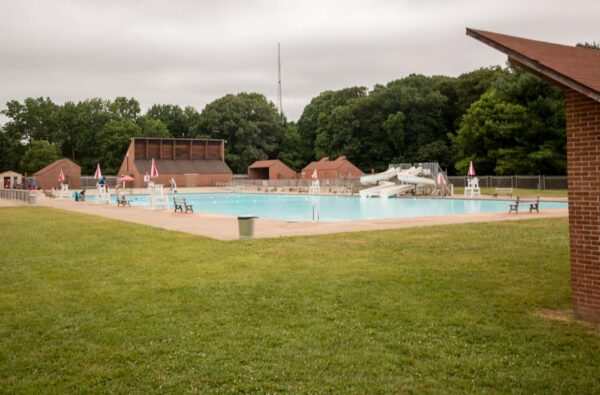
{"x": 334, "y": 208}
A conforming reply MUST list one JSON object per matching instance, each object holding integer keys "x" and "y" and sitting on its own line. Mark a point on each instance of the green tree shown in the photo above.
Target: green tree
{"x": 289, "y": 152}
{"x": 123, "y": 107}
{"x": 39, "y": 153}
{"x": 515, "y": 128}
{"x": 592, "y": 45}
{"x": 315, "y": 118}
{"x": 151, "y": 127}
{"x": 10, "y": 152}
{"x": 173, "y": 117}
{"x": 114, "y": 138}
{"x": 248, "y": 122}
{"x": 34, "y": 119}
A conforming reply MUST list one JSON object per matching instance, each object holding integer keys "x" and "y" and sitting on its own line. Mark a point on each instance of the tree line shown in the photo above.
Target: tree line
{"x": 505, "y": 120}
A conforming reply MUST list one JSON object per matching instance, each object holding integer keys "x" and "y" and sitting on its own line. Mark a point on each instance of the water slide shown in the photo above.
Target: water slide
{"x": 408, "y": 177}
{"x": 374, "y": 191}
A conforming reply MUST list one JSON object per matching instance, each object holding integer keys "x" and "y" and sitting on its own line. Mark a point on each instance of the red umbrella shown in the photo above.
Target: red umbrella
{"x": 471, "y": 172}
{"x": 98, "y": 174}
{"x": 153, "y": 169}
{"x": 315, "y": 175}
{"x": 441, "y": 179}
{"x": 124, "y": 179}
{"x": 61, "y": 176}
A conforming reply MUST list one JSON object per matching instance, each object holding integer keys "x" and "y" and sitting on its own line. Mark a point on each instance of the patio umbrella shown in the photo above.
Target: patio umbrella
{"x": 153, "y": 169}
{"x": 315, "y": 175}
{"x": 124, "y": 179}
{"x": 61, "y": 177}
{"x": 98, "y": 174}
{"x": 441, "y": 179}
{"x": 471, "y": 172}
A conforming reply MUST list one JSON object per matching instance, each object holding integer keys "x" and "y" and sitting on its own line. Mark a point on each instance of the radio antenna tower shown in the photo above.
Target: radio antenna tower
{"x": 279, "y": 96}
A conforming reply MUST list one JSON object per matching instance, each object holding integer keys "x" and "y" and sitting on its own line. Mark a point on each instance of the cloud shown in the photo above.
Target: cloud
{"x": 192, "y": 52}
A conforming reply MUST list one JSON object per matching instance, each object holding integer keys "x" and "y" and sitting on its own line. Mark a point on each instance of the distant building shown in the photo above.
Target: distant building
{"x": 10, "y": 179}
{"x": 47, "y": 178}
{"x": 270, "y": 170}
{"x": 190, "y": 162}
{"x": 329, "y": 169}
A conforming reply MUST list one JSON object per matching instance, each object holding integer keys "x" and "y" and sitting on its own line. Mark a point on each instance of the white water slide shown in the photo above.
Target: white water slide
{"x": 386, "y": 188}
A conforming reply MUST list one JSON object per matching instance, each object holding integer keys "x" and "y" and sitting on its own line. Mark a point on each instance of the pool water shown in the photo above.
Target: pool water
{"x": 335, "y": 208}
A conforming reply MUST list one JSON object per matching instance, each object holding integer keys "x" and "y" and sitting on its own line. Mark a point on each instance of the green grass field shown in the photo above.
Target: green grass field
{"x": 561, "y": 193}
{"x": 90, "y": 305}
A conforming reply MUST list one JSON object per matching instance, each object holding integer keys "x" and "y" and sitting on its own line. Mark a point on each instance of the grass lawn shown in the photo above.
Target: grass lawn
{"x": 90, "y": 305}
{"x": 562, "y": 193}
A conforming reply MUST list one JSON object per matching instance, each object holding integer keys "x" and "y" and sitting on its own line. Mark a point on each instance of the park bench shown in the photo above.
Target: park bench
{"x": 49, "y": 194}
{"x": 181, "y": 203}
{"x": 503, "y": 191}
{"x": 534, "y": 204}
{"x": 122, "y": 201}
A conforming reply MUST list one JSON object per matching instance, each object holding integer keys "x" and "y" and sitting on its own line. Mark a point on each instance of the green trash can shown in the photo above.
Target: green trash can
{"x": 246, "y": 227}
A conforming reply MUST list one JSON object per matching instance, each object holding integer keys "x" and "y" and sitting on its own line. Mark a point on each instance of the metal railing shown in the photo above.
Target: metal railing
{"x": 524, "y": 182}
{"x": 16, "y": 194}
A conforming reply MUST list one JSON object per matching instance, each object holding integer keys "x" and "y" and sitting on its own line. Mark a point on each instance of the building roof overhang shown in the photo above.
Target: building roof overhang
{"x": 570, "y": 67}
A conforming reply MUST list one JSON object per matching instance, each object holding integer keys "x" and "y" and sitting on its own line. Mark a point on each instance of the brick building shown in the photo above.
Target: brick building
{"x": 577, "y": 71}
{"x": 270, "y": 170}
{"x": 191, "y": 162}
{"x": 332, "y": 169}
{"x": 47, "y": 178}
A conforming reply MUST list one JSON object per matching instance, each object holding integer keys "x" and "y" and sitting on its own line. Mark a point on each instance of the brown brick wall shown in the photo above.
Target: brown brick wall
{"x": 583, "y": 154}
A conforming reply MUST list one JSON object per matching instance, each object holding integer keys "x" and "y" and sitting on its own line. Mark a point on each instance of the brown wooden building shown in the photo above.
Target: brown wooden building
{"x": 577, "y": 71}
{"x": 332, "y": 169}
{"x": 191, "y": 162}
{"x": 270, "y": 170}
{"x": 47, "y": 178}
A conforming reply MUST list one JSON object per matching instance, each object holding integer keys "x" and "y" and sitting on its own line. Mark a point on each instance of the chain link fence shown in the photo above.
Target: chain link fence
{"x": 523, "y": 182}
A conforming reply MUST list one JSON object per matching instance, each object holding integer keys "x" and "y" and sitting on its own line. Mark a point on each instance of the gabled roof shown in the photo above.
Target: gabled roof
{"x": 265, "y": 163}
{"x": 573, "y": 67}
{"x": 183, "y": 166}
{"x": 325, "y": 164}
{"x": 60, "y": 162}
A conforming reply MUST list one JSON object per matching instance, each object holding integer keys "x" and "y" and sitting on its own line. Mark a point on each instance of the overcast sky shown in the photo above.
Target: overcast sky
{"x": 193, "y": 52}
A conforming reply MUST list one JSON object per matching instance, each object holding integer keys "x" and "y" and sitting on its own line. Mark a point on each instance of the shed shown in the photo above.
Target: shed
{"x": 10, "y": 179}
{"x": 270, "y": 170}
{"x": 47, "y": 178}
{"x": 341, "y": 168}
{"x": 190, "y": 162}
{"x": 577, "y": 71}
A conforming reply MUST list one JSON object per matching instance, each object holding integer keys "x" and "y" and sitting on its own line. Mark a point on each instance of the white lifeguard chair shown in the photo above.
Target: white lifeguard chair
{"x": 102, "y": 194}
{"x": 158, "y": 199}
{"x": 472, "y": 188}
{"x": 64, "y": 191}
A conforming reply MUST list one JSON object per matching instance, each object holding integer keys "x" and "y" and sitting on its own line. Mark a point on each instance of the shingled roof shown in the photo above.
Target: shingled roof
{"x": 573, "y": 67}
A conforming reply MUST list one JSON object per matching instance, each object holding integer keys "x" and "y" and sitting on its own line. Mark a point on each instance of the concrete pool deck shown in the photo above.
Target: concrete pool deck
{"x": 225, "y": 227}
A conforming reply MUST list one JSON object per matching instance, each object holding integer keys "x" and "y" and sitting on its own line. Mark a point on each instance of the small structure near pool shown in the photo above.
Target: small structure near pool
{"x": 190, "y": 162}
{"x": 10, "y": 179}
{"x": 341, "y": 168}
{"x": 47, "y": 178}
{"x": 270, "y": 170}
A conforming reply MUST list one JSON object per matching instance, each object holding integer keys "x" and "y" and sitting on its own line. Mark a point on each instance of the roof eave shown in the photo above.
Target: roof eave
{"x": 535, "y": 67}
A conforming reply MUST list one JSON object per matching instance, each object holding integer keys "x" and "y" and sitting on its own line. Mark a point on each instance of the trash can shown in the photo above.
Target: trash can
{"x": 246, "y": 227}
{"x": 32, "y": 198}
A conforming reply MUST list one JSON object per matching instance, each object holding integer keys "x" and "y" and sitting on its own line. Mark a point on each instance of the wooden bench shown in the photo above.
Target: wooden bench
{"x": 533, "y": 205}
{"x": 181, "y": 203}
{"x": 503, "y": 191}
{"x": 122, "y": 201}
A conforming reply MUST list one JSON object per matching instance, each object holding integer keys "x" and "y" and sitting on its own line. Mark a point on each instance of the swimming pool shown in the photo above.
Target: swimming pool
{"x": 334, "y": 208}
